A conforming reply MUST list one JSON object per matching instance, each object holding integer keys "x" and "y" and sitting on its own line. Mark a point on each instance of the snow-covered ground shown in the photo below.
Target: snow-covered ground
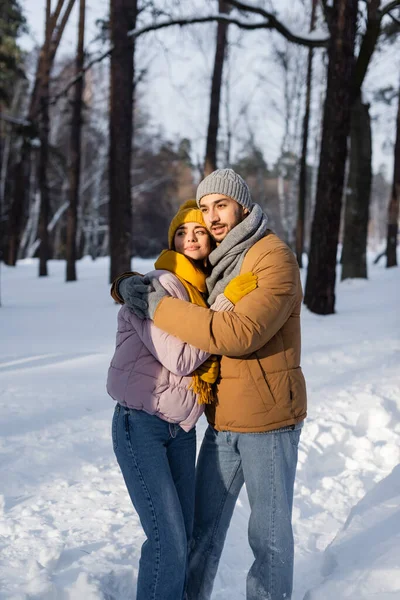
{"x": 67, "y": 528}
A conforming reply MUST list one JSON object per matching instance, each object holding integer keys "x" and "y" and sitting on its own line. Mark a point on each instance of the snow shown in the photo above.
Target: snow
{"x": 67, "y": 528}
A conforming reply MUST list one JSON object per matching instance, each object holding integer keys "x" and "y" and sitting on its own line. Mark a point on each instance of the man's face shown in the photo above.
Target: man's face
{"x": 221, "y": 214}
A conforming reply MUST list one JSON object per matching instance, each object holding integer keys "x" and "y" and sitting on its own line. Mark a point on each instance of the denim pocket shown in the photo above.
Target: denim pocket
{"x": 295, "y": 437}
{"x": 115, "y": 426}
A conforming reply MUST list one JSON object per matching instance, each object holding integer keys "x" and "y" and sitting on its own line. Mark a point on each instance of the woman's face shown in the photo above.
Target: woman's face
{"x": 192, "y": 240}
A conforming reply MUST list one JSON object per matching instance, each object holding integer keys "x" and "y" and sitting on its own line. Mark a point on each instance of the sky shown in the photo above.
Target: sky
{"x": 179, "y": 65}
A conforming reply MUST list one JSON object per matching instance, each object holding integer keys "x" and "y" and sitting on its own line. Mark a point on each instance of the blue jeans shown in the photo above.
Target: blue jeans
{"x": 157, "y": 460}
{"x": 266, "y": 462}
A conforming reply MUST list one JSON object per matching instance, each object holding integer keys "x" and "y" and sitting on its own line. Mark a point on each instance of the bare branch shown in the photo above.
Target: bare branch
{"x": 55, "y": 15}
{"x": 275, "y": 23}
{"x": 368, "y": 45}
{"x": 194, "y": 20}
{"x": 14, "y": 120}
{"x": 40, "y": 63}
{"x": 133, "y": 35}
{"x": 389, "y": 7}
{"x": 394, "y": 18}
{"x": 370, "y": 38}
{"x": 327, "y": 10}
{"x": 60, "y": 30}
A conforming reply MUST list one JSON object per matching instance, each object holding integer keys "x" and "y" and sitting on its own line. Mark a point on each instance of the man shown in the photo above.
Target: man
{"x": 254, "y": 427}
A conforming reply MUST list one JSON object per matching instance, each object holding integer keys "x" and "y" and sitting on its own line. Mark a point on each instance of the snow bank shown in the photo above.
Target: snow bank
{"x": 363, "y": 561}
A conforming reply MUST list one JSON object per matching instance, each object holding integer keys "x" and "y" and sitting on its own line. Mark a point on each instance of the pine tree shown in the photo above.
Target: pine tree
{"x": 12, "y": 24}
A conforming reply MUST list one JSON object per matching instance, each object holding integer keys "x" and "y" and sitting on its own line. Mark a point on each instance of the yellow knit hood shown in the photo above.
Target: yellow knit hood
{"x": 187, "y": 213}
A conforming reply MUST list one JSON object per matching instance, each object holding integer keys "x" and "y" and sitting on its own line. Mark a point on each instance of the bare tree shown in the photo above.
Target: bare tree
{"x": 377, "y": 228}
{"x": 37, "y": 126}
{"x": 210, "y": 163}
{"x": 123, "y": 15}
{"x": 321, "y": 275}
{"x": 75, "y": 151}
{"x": 301, "y": 208}
{"x": 358, "y": 192}
{"x": 291, "y": 63}
{"x": 44, "y": 127}
{"x": 393, "y": 211}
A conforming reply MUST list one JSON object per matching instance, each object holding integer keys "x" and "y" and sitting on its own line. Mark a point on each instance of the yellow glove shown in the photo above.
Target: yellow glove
{"x": 240, "y": 286}
{"x": 209, "y": 370}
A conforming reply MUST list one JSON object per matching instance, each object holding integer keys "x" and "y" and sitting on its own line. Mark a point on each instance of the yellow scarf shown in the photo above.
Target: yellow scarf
{"x": 194, "y": 282}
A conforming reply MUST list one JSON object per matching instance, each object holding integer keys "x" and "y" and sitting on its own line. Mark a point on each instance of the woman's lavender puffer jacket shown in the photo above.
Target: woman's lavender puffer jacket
{"x": 150, "y": 369}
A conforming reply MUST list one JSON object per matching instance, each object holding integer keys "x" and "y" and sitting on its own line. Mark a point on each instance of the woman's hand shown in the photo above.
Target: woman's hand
{"x": 117, "y": 297}
{"x": 209, "y": 370}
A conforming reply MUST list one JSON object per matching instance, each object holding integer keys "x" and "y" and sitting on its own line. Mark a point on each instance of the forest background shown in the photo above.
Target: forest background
{"x": 104, "y": 133}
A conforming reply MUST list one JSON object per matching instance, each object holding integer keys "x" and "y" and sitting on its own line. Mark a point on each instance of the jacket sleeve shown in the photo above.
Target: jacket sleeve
{"x": 256, "y": 318}
{"x": 175, "y": 355}
{"x": 222, "y": 303}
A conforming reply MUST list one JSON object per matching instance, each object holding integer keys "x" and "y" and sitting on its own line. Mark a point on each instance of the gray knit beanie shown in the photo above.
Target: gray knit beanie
{"x": 228, "y": 183}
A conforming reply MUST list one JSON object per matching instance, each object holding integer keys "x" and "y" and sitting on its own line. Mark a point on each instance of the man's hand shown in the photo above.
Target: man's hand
{"x": 240, "y": 286}
{"x": 142, "y": 295}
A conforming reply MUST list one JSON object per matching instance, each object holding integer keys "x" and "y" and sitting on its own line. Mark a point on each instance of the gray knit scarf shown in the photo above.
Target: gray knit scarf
{"x": 227, "y": 258}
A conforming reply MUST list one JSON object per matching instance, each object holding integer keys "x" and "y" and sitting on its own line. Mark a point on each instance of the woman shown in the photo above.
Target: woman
{"x": 161, "y": 385}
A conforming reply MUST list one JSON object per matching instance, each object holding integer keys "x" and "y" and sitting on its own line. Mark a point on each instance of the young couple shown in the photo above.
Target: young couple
{"x": 224, "y": 338}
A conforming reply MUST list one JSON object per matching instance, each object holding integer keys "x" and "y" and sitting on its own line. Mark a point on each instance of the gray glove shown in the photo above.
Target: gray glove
{"x": 129, "y": 287}
{"x": 142, "y": 295}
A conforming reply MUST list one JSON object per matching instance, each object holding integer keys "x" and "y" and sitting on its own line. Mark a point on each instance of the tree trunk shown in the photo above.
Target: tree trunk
{"x": 16, "y": 212}
{"x": 368, "y": 45}
{"x": 38, "y": 107}
{"x": 393, "y": 212}
{"x": 94, "y": 248}
{"x": 210, "y": 163}
{"x": 5, "y": 151}
{"x": 354, "y": 254}
{"x": 301, "y": 209}
{"x": 356, "y": 216}
{"x": 44, "y": 129}
{"x": 321, "y": 274}
{"x": 75, "y": 152}
{"x": 57, "y": 24}
{"x": 122, "y": 19}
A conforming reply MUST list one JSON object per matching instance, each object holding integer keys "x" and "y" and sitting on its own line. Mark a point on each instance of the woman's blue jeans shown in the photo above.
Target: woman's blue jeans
{"x": 157, "y": 460}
